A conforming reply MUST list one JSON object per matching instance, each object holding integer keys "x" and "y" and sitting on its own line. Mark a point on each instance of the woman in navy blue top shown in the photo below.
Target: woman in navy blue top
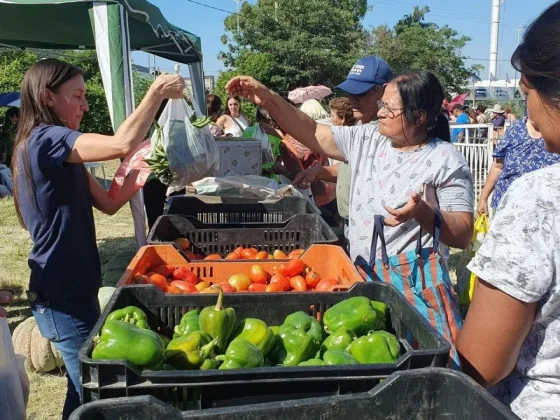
{"x": 54, "y": 196}
{"x": 520, "y": 151}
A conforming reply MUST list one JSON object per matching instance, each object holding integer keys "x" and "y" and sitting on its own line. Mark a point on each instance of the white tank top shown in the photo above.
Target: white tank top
{"x": 238, "y": 125}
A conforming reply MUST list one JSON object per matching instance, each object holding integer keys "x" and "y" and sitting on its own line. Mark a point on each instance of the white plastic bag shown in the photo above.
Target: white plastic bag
{"x": 192, "y": 152}
{"x": 14, "y": 385}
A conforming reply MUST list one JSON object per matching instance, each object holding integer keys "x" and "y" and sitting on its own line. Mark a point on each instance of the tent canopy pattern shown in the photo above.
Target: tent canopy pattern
{"x": 65, "y": 24}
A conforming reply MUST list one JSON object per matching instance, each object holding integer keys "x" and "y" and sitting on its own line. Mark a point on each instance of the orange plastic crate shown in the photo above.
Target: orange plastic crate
{"x": 327, "y": 260}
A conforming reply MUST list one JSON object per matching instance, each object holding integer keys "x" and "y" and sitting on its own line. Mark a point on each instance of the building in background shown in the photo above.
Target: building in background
{"x": 209, "y": 81}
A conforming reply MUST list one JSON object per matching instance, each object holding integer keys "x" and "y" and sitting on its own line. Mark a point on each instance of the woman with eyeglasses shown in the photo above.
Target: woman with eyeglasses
{"x": 391, "y": 162}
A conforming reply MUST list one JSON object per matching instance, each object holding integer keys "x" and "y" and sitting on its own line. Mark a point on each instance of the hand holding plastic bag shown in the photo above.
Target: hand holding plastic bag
{"x": 191, "y": 151}
{"x": 135, "y": 161}
{"x": 466, "y": 279}
{"x": 14, "y": 385}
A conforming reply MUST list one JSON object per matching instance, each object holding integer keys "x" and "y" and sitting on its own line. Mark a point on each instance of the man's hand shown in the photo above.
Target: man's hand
{"x": 405, "y": 213}
{"x": 248, "y": 88}
{"x": 306, "y": 177}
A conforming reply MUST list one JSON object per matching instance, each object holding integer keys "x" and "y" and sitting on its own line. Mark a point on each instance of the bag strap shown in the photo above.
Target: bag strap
{"x": 237, "y": 123}
{"x": 378, "y": 232}
{"x": 435, "y": 235}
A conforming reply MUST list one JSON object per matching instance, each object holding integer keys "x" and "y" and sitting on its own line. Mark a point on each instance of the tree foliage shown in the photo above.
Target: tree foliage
{"x": 295, "y": 43}
{"x": 414, "y": 44}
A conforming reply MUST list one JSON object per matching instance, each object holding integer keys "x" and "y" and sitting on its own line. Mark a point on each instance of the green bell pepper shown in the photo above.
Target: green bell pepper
{"x": 301, "y": 321}
{"x": 132, "y": 315}
{"x": 312, "y": 362}
{"x": 218, "y": 322}
{"x": 338, "y": 340}
{"x": 338, "y": 357}
{"x": 293, "y": 346}
{"x": 359, "y": 314}
{"x": 191, "y": 351}
{"x": 255, "y": 332}
{"x": 189, "y": 323}
{"x": 376, "y": 347}
{"x": 122, "y": 340}
{"x": 241, "y": 354}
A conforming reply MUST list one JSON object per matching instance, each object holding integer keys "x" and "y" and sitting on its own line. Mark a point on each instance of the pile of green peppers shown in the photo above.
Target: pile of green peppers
{"x": 352, "y": 332}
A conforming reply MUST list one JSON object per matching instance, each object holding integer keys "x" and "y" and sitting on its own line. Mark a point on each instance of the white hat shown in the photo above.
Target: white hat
{"x": 498, "y": 109}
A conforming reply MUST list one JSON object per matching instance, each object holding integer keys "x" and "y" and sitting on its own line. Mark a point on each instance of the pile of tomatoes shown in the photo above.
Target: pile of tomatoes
{"x": 239, "y": 253}
{"x": 287, "y": 276}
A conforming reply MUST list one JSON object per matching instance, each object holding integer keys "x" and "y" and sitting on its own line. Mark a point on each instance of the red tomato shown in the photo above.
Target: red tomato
{"x": 296, "y": 253}
{"x": 282, "y": 280}
{"x": 198, "y": 257}
{"x": 263, "y": 255}
{"x": 174, "y": 290}
{"x": 190, "y": 255}
{"x": 257, "y": 288}
{"x": 298, "y": 283}
{"x": 183, "y": 243}
{"x": 312, "y": 278}
{"x": 240, "y": 282}
{"x": 279, "y": 255}
{"x": 255, "y": 250}
{"x": 159, "y": 281}
{"x": 232, "y": 256}
{"x": 258, "y": 274}
{"x": 183, "y": 273}
{"x": 227, "y": 288}
{"x": 326, "y": 284}
{"x": 292, "y": 268}
{"x": 239, "y": 250}
{"x": 212, "y": 257}
{"x": 141, "y": 279}
{"x": 249, "y": 254}
{"x": 274, "y": 287}
{"x": 164, "y": 270}
{"x": 184, "y": 286}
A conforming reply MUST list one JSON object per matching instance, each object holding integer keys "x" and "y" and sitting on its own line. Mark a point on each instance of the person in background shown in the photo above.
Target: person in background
{"x": 481, "y": 118}
{"x": 214, "y": 111}
{"x": 461, "y": 117}
{"x": 314, "y": 109}
{"x": 54, "y": 197}
{"x": 522, "y": 150}
{"x": 509, "y": 116}
{"x": 472, "y": 115}
{"x": 233, "y": 122}
{"x": 341, "y": 115}
{"x": 510, "y": 339}
{"x": 498, "y": 119}
{"x": 11, "y": 120}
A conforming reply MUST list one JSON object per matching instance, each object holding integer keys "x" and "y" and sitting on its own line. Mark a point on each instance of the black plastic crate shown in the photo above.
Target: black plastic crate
{"x": 300, "y": 231}
{"x": 423, "y": 394}
{"x": 192, "y": 390}
{"x": 237, "y": 210}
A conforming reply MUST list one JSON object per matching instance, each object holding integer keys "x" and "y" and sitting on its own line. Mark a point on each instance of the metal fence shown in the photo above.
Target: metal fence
{"x": 477, "y": 147}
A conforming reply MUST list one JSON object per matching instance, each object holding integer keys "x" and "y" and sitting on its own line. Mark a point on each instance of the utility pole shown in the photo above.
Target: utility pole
{"x": 494, "y": 31}
{"x": 237, "y": 2}
{"x": 518, "y": 41}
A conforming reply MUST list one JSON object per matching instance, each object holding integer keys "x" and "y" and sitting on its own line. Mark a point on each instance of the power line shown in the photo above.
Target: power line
{"x": 211, "y": 7}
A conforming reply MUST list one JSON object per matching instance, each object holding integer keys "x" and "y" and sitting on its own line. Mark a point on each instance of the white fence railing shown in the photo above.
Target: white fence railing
{"x": 477, "y": 147}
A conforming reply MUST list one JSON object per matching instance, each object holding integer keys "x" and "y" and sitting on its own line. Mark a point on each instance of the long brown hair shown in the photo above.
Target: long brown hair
{"x": 44, "y": 74}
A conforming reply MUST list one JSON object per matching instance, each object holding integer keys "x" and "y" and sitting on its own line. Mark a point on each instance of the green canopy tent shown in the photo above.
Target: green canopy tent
{"x": 113, "y": 28}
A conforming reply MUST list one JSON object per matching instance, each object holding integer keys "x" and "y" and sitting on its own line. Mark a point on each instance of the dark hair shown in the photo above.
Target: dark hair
{"x": 507, "y": 109}
{"x": 422, "y": 95}
{"x": 227, "y": 111}
{"x": 481, "y": 108}
{"x": 214, "y": 105}
{"x": 458, "y": 106}
{"x": 343, "y": 109}
{"x": 12, "y": 112}
{"x": 45, "y": 74}
{"x": 537, "y": 57}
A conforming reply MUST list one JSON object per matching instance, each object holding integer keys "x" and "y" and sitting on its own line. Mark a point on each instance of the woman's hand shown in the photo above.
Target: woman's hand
{"x": 248, "y": 88}
{"x": 405, "y": 213}
{"x": 169, "y": 86}
{"x": 482, "y": 206}
{"x": 306, "y": 177}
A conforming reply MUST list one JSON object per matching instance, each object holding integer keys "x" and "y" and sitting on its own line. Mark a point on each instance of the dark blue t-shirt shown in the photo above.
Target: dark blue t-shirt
{"x": 64, "y": 260}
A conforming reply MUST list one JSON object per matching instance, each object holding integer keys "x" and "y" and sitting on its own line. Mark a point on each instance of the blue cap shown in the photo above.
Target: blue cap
{"x": 365, "y": 74}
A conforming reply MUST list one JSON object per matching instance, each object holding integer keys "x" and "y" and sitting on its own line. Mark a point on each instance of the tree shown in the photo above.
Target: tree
{"x": 414, "y": 44}
{"x": 295, "y": 43}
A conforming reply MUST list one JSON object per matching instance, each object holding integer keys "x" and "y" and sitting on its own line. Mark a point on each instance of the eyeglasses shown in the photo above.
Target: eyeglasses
{"x": 391, "y": 112}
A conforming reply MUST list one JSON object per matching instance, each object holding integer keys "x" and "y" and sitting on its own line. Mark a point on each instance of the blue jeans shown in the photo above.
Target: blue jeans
{"x": 67, "y": 323}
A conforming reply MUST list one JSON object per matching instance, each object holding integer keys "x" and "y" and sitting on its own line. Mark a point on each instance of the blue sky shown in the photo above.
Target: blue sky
{"x": 471, "y": 18}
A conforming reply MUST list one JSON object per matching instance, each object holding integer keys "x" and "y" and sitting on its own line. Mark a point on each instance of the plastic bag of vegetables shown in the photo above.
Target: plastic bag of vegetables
{"x": 182, "y": 148}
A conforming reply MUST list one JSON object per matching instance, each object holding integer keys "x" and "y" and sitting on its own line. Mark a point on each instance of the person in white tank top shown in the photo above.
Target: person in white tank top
{"x": 233, "y": 122}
